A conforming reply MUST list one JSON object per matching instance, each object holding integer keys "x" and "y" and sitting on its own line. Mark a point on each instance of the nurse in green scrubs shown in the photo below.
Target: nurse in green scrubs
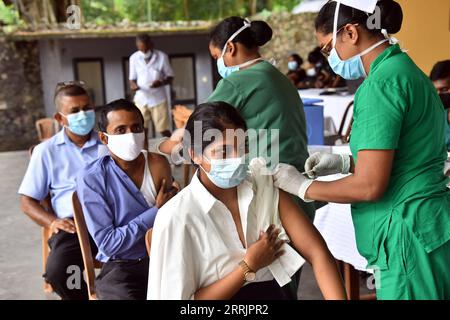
{"x": 400, "y": 202}
{"x": 264, "y": 96}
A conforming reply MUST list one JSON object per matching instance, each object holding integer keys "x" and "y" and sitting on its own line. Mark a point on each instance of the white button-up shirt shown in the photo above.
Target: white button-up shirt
{"x": 158, "y": 68}
{"x": 195, "y": 241}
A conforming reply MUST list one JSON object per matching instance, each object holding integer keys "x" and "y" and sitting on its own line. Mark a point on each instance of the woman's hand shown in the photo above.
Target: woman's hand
{"x": 265, "y": 250}
{"x": 323, "y": 164}
{"x": 181, "y": 115}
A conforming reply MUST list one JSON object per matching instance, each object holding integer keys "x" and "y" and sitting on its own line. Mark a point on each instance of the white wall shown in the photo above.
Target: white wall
{"x": 57, "y": 61}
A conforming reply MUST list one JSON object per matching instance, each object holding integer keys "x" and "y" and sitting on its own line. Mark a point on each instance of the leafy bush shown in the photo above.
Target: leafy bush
{"x": 8, "y": 14}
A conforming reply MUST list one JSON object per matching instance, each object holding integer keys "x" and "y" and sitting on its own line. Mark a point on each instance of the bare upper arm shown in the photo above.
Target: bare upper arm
{"x": 304, "y": 236}
{"x": 374, "y": 167}
{"x": 160, "y": 169}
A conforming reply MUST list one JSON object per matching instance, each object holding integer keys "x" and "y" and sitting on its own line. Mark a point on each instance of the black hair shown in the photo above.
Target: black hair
{"x": 391, "y": 15}
{"x": 144, "y": 38}
{"x": 71, "y": 90}
{"x": 257, "y": 35}
{"x": 115, "y": 105}
{"x": 297, "y": 58}
{"x": 212, "y": 115}
{"x": 441, "y": 70}
{"x": 316, "y": 56}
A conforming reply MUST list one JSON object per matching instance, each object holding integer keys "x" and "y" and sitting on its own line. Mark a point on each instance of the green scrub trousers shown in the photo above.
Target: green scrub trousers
{"x": 414, "y": 274}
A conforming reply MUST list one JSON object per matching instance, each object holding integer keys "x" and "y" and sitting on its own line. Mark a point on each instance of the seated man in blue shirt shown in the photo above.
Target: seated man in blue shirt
{"x": 52, "y": 170}
{"x": 119, "y": 196}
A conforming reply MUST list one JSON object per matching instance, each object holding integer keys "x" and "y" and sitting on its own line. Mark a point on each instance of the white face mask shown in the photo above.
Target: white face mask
{"x": 126, "y": 146}
{"x": 311, "y": 72}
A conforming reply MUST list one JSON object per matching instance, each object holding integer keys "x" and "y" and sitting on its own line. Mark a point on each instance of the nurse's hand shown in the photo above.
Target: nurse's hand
{"x": 287, "y": 178}
{"x": 323, "y": 164}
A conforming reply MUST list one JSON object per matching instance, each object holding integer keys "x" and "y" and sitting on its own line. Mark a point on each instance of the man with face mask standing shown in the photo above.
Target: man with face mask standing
{"x": 120, "y": 199}
{"x": 52, "y": 169}
{"x": 150, "y": 72}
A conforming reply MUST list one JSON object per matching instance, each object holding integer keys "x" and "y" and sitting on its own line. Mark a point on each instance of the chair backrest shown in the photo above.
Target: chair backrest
{"x": 83, "y": 238}
{"x": 46, "y": 128}
{"x": 344, "y": 119}
{"x": 148, "y": 240}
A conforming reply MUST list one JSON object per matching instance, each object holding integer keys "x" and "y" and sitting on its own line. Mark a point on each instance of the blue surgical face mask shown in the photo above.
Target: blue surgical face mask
{"x": 80, "y": 123}
{"x": 292, "y": 65}
{"x": 223, "y": 70}
{"x": 227, "y": 173}
{"x": 353, "y": 68}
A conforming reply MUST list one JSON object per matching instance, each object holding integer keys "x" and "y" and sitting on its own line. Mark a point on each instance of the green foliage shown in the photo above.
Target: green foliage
{"x": 104, "y": 12}
{"x": 8, "y": 14}
{"x": 110, "y": 11}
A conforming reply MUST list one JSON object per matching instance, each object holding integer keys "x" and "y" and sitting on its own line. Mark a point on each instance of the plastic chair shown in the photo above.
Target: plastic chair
{"x": 341, "y": 135}
{"x": 46, "y": 128}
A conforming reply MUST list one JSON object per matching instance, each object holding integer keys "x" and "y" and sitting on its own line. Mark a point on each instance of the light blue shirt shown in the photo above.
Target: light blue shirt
{"x": 53, "y": 168}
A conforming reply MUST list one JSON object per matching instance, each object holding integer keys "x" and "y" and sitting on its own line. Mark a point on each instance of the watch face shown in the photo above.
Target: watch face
{"x": 250, "y": 276}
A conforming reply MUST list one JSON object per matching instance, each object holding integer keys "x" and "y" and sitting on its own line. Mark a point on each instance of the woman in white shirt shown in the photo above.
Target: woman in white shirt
{"x": 224, "y": 236}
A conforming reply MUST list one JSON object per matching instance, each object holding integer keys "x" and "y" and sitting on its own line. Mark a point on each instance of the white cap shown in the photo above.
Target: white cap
{"x": 363, "y": 5}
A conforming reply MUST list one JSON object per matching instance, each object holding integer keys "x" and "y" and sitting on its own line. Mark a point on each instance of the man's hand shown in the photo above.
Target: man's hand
{"x": 67, "y": 225}
{"x": 156, "y": 84}
{"x": 133, "y": 86}
{"x": 165, "y": 195}
{"x": 181, "y": 115}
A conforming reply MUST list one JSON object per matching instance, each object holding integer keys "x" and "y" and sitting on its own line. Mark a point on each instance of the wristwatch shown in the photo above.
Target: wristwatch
{"x": 249, "y": 274}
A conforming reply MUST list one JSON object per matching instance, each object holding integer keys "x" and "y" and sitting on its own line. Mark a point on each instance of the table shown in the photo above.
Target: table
{"x": 333, "y": 107}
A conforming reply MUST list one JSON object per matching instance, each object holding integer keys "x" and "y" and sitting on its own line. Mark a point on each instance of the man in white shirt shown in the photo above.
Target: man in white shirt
{"x": 150, "y": 72}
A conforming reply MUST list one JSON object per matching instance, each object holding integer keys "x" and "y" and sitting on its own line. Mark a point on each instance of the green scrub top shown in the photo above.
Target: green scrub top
{"x": 397, "y": 108}
{"x": 266, "y": 99}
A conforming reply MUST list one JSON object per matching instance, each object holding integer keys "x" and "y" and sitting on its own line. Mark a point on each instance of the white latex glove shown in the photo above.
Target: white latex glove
{"x": 153, "y": 146}
{"x": 323, "y": 164}
{"x": 287, "y": 178}
{"x": 175, "y": 156}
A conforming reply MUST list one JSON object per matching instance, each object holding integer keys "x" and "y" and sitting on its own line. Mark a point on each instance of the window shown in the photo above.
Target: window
{"x": 184, "y": 84}
{"x": 91, "y": 71}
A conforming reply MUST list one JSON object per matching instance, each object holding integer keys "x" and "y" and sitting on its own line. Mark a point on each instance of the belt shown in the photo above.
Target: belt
{"x": 127, "y": 260}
